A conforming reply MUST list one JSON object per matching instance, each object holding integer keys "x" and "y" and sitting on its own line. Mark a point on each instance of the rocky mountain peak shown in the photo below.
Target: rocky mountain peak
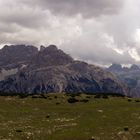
{"x": 15, "y": 54}
{"x": 115, "y": 67}
{"x": 52, "y": 48}
{"x": 134, "y": 67}
{"x": 18, "y": 48}
{"x": 42, "y": 48}
{"x": 119, "y": 68}
{"x": 50, "y": 56}
{"x": 49, "y": 49}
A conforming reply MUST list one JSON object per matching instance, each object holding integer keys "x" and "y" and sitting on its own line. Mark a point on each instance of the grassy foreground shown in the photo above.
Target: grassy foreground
{"x": 53, "y": 118}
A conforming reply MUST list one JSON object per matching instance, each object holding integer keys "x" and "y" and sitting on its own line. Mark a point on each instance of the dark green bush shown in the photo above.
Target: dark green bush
{"x": 18, "y": 130}
{"x": 129, "y": 100}
{"x": 72, "y": 100}
{"x": 84, "y": 100}
{"x": 137, "y": 101}
{"x": 55, "y": 97}
{"x": 126, "y": 129}
{"x": 97, "y": 96}
{"x": 105, "y": 96}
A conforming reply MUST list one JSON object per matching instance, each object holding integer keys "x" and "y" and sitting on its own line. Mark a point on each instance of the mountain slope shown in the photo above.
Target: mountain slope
{"x": 51, "y": 70}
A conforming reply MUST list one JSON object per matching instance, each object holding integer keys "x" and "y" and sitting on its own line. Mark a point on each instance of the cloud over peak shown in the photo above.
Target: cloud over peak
{"x": 98, "y": 31}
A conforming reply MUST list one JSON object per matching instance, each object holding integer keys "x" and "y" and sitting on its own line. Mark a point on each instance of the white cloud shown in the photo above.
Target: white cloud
{"x": 137, "y": 36}
{"x": 97, "y": 31}
{"x": 134, "y": 54}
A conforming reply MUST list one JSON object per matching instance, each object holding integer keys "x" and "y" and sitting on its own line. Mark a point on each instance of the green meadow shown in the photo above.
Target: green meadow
{"x": 69, "y": 117}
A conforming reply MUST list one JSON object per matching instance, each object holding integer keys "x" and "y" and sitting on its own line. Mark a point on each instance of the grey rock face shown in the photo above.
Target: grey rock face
{"x": 51, "y": 70}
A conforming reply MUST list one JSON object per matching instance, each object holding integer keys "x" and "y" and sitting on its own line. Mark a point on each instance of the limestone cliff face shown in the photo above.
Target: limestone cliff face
{"x": 52, "y": 70}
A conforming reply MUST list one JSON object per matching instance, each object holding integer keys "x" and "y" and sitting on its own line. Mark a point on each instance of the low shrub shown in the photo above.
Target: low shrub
{"x": 18, "y": 130}
{"x": 105, "y": 97}
{"x": 84, "y": 100}
{"x": 129, "y": 100}
{"x": 126, "y": 129}
{"x": 72, "y": 100}
{"x": 48, "y": 116}
{"x": 97, "y": 96}
{"x": 137, "y": 101}
{"x": 55, "y": 97}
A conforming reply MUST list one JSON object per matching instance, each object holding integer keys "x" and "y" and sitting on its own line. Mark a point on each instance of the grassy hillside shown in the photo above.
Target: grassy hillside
{"x": 54, "y": 118}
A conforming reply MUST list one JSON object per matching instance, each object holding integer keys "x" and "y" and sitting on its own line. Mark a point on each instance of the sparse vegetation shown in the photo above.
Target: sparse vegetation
{"x": 56, "y": 119}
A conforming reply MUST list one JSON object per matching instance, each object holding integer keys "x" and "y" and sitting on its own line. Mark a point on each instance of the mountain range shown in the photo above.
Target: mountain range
{"x": 129, "y": 76}
{"x": 26, "y": 70}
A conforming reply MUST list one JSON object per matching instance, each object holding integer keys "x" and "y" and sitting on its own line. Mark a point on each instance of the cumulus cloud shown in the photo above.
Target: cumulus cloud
{"x": 100, "y": 49}
{"x": 96, "y": 31}
{"x": 21, "y": 15}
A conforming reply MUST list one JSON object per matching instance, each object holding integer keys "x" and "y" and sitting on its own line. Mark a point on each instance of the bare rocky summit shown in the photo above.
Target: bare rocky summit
{"x": 52, "y": 70}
